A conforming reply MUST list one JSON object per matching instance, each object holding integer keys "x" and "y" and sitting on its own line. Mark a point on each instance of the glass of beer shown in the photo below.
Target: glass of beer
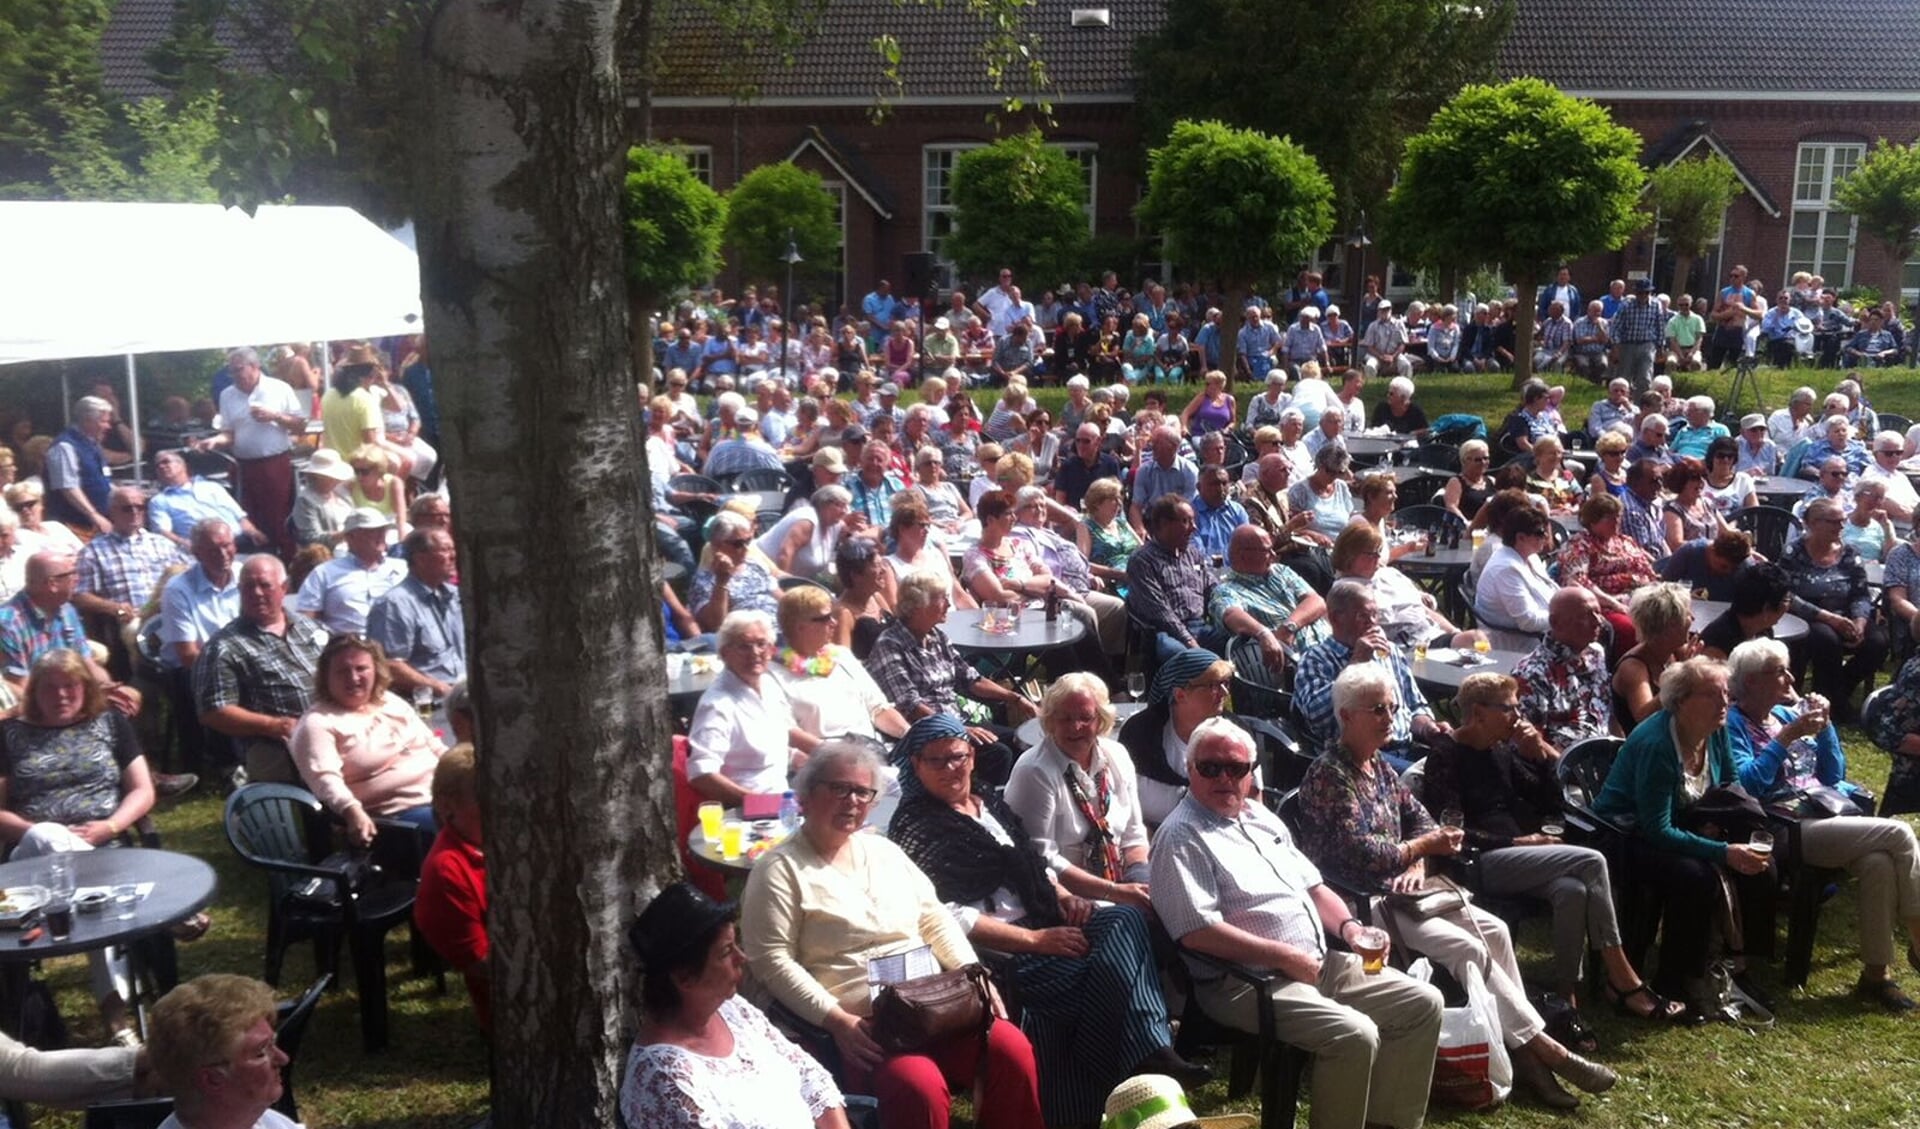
{"x": 733, "y": 839}
{"x": 1371, "y": 944}
{"x": 1761, "y": 842}
{"x": 1420, "y": 651}
{"x": 1479, "y": 538}
{"x": 711, "y": 813}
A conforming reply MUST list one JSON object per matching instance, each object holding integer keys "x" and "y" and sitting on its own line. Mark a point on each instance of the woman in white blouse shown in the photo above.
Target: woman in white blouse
{"x": 1077, "y": 794}
{"x": 1515, "y": 589}
{"x": 737, "y": 744}
{"x": 828, "y": 690}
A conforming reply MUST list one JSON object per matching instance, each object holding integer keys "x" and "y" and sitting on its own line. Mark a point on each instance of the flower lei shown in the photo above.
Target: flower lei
{"x": 819, "y": 665}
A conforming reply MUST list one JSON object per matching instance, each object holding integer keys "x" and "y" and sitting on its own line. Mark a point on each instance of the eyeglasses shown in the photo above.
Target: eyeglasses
{"x": 1377, "y": 709}
{"x": 858, "y": 793}
{"x": 949, "y": 763}
{"x": 1210, "y": 686}
{"x": 1214, "y": 770}
{"x": 735, "y": 543}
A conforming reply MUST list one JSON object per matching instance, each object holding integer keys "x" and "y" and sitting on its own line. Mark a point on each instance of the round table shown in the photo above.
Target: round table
{"x": 690, "y": 684}
{"x": 1789, "y": 628}
{"x": 1443, "y": 679}
{"x": 1373, "y": 448}
{"x": 1029, "y": 732}
{"x": 1445, "y": 565}
{"x": 1779, "y": 490}
{"x": 1402, "y": 473}
{"x": 182, "y": 886}
{"x": 878, "y": 816}
{"x": 1034, "y": 634}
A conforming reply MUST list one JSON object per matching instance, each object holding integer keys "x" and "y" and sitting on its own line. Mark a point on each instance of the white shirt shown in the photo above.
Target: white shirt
{"x": 13, "y": 568}
{"x": 1900, "y": 489}
{"x": 1786, "y": 433}
{"x": 268, "y": 1120}
{"x": 1514, "y": 592}
{"x": 1314, "y": 396}
{"x": 342, "y": 591}
{"x": 842, "y": 701}
{"x": 251, "y": 438}
{"x": 1038, "y": 793}
{"x": 741, "y": 734}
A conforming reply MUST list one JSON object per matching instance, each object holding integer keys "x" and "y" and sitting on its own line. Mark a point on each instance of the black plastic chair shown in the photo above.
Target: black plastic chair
{"x": 1583, "y": 770}
{"x": 136, "y": 1113}
{"x": 1893, "y": 421}
{"x": 1425, "y": 516}
{"x": 1770, "y": 526}
{"x": 1433, "y": 456}
{"x": 318, "y": 896}
{"x": 289, "y": 1030}
{"x": 764, "y": 478}
{"x": 1279, "y": 1065}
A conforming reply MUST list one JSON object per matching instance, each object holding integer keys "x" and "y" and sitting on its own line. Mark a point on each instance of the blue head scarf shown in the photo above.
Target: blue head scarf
{"x": 1178, "y": 671}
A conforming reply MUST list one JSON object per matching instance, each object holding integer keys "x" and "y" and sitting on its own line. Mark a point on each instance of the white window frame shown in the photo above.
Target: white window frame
{"x": 698, "y": 158}
{"x": 1813, "y": 196}
{"x": 838, "y": 189}
{"x": 1087, "y": 152}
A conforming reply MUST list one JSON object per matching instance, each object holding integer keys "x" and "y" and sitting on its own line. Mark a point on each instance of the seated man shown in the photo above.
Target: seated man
{"x": 1874, "y": 346}
{"x": 1757, "y": 454}
{"x": 1592, "y": 338}
{"x": 1355, "y": 637}
{"x": 183, "y": 501}
{"x": 119, "y": 569}
{"x": 418, "y": 621}
{"x": 1216, "y": 515}
{"x": 1652, "y": 444}
{"x": 341, "y": 592}
{"x": 1554, "y": 339}
{"x": 1692, "y": 438}
{"x": 1266, "y": 600}
{"x": 1229, "y": 882}
{"x": 193, "y": 608}
{"x": 1708, "y": 568}
{"x": 1616, "y": 407}
{"x": 255, "y": 678}
{"x": 1169, "y": 581}
{"x": 41, "y": 618}
{"x": 744, "y": 451}
{"x": 212, "y": 1044}
{"x": 451, "y": 908}
{"x": 1564, "y": 690}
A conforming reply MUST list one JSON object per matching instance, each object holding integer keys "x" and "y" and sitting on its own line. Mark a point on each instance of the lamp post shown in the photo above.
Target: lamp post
{"x": 786, "y": 326}
{"x": 1361, "y": 242}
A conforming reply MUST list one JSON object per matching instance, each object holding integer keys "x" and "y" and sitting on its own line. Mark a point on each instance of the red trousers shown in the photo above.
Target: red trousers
{"x": 266, "y": 493}
{"x": 916, "y": 1091}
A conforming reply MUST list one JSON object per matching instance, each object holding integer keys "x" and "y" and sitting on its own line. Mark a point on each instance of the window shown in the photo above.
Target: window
{"x": 699, "y": 158}
{"x": 1821, "y": 238}
{"x": 937, "y": 163}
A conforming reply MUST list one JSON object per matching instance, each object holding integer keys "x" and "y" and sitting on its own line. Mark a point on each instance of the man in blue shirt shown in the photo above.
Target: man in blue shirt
{"x": 879, "y": 307}
{"x": 418, "y": 621}
{"x": 1215, "y": 515}
{"x": 1353, "y": 618}
{"x": 683, "y": 354}
{"x": 1166, "y": 471}
{"x": 194, "y": 606}
{"x": 183, "y": 502}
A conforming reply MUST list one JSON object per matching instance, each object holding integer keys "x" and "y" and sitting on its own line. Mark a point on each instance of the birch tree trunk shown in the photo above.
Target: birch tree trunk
{"x": 523, "y": 142}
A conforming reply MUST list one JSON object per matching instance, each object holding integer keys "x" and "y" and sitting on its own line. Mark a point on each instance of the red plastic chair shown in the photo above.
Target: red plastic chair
{"x": 686, "y": 817}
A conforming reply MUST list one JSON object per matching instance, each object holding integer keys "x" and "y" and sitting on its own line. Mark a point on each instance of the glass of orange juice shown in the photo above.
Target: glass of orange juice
{"x": 1482, "y": 646}
{"x": 733, "y": 835}
{"x": 711, "y": 814}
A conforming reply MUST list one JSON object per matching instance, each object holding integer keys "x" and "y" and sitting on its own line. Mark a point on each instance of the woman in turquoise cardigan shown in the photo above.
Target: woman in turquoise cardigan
{"x": 1668, "y": 763}
{"x": 1781, "y": 748}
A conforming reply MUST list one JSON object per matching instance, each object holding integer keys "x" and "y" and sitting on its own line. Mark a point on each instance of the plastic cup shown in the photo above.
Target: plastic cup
{"x": 711, "y": 813}
{"x": 1482, "y": 646}
{"x": 1371, "y": 944}
{"x": 1479, "y": 538}
{"x": 1136, "y": 685}
{"x": 733, "y": 835}
{"x": 59, "y": 915}
{"x": 126, "y": 895}
{"x": 1420, "y": 651}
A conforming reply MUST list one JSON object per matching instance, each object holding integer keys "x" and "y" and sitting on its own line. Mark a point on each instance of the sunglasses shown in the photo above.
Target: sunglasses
{"x": 1214, "y": 770}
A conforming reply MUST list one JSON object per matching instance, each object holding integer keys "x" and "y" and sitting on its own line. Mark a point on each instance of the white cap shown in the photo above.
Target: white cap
{"x": 366, "y": 517}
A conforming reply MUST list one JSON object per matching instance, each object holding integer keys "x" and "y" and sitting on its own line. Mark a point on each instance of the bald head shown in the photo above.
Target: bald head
{"x": 1573, "y": 617}
{"x": 1275, "y": 471}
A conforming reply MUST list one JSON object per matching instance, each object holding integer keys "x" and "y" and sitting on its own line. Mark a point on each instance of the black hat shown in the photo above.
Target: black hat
{"x": 674, "y": 922}
{"x": 1643, "y": 284}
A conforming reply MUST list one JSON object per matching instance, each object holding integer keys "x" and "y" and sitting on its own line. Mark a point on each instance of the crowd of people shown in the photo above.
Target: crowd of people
{"x": 1239, "y": 543}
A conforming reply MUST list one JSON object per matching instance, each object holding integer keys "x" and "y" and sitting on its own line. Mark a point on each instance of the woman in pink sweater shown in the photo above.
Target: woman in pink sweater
{"x": 362, "y": 750}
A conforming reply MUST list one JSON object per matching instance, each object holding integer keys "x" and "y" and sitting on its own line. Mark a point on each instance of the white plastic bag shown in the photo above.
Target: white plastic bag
{"x": 1472, "y": 1069}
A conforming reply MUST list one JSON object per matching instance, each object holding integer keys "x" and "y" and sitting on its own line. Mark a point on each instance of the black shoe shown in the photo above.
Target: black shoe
{"x": 1167, "y": 1061}
{"x": 168, "y": 786}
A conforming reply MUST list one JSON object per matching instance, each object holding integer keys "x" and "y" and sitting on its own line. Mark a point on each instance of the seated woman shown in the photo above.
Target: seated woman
{"x": 1379, "y": 496}
{"x": 1110, "y": 540}
{"x": 1499, "y": 772}
{"x": 1514, "y": 590}
{"x": 1610, "y": 566}
{"x": 944, "y": 503}
{"x": 1610, "y": 476}
{"x": 1662, "y": 617}
{"x": 1551, "y": 477}
{"x": 1894, "y": 725}
{"x": 737, "y": 743}
{"x": 361, "y": 749}
{"x": 1007, "y": 571}
{"x": 910, "y": 528}
{"x": 1325, "y": 493}
{"x": 704, "y": 1056}
{"x": 1367, "y": 833}
{"x": 732, "y": 576}
{"x": 827, "y": 901}
{"x": 1782, "y": 747}
{"x": 1689, "y": 515}
{"x": 1845, "y": 643}
{"x": 320, "y": 509}
{"x": 1761, "y": 597}
{"x": 957, "y": 441}
{"x": 374, "y": 484}
{"x": 1408, "y": 615}
{"x": 1039, "y": 442}
{"x": 1188, "y": 688}
{"x": 1077, "y": 795}
{"x": 802, "y": 542}
{"x": 1092, "y": 1014}
{"x": 1212, "y": 409}
{"x": 862, "y": 609}
{"x": 1728, "y": 488}
{"x": 827, "y": 689}
{"x": 1666, "y": 766}
{"x": 450, "y": 909}
{"x": 1868, "y": 529}
{"x": 1467, "y": 491}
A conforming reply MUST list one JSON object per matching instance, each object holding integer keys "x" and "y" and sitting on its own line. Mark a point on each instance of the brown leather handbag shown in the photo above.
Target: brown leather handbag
{"x": 915, "y": 1015}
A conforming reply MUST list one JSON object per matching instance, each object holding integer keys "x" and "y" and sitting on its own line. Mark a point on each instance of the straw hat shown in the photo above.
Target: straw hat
{"x": 1155, "y": 1101}
{"x": 327, "y": 463}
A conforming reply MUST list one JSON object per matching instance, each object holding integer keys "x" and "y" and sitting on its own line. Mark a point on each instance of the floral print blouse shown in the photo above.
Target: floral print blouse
{"x": 1352, "y": 824}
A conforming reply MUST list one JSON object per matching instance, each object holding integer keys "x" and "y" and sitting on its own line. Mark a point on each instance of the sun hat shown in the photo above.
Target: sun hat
{"x": 327, "y": 463}
{"x": 366, "y": 517}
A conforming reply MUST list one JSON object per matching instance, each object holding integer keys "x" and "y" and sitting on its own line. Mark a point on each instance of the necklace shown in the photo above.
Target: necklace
{"x": 819, "y": 664}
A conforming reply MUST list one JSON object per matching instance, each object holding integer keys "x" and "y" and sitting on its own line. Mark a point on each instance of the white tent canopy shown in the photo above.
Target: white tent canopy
{"x": 98, "y": 280}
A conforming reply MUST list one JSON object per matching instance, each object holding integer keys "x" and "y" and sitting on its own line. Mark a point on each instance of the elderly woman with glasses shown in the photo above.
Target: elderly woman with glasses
{"x": 825, "y": 903}
{"x": 1610, "y": 476}
{"x": 1077, "y": 793}
{"x": 733, "y": 575}
{"x": 1498, "y": 771}
{"x": 1610, "y": 566}
{"x": 1728, "y": 488}
{"x": 1092, "y": 1017}
{"x": 1868, "y": 528}
{"x": 1189, "y": 688}
{"x": 1365, "y": 831}
{"x": 739, "y": 742}
{"x": 828, "y": 690}
{"x": 802, "y": 542}
{"x": 1466, "y": 492}
{"x": 1845, "y": 644}
{"x": 909, "y": 528}
{"x": 28, "y": 501}
{"x": 1407, "y": 615}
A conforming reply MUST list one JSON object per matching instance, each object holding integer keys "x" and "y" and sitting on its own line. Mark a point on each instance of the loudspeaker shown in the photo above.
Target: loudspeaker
{"x": 916, "y": 274}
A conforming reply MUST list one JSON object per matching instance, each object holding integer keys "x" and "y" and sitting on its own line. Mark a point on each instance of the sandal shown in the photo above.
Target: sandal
{"x": 1886, "y": 993}
{"x": 1659, "y": 1010}
{"x": 192, "y": 929}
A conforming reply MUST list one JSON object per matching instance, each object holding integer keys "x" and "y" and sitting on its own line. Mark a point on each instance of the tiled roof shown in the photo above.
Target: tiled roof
{"x": 939, "y": 47}
{"x": 1790, "y": 46}
{"x": 136, "y": 27}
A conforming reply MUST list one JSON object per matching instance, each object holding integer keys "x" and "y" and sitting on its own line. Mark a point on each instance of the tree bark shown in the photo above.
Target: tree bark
{"x": 1682, "y": 268}
{"x": 1232, "y": 317}
{"x": 1525, "y": 282}
{"x": 524, "y": 295}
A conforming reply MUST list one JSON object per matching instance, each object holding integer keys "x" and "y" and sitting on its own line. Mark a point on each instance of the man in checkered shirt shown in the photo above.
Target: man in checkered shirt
{"x": 119, "y": 570}
{"x": 255, "y": 677}
{"x": 1228, "y": 882}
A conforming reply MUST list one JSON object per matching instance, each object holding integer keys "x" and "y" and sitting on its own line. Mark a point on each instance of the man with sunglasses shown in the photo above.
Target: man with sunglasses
{"x": 1228, "y": 882}
{"x": 1088, "y": 463}
{"x": 1889, "y": 447}
{"x": 119, "y": 569}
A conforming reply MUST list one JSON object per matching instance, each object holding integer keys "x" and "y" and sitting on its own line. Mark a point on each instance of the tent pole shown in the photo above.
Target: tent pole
{"x": 133, "y": 420}
{"x": 66, "y": 398}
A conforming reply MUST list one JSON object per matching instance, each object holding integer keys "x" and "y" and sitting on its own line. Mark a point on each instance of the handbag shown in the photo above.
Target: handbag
{"x": 1440, "y": 896}
{"x": 915, "y": 1015}
{"x": 1726, "y": 812}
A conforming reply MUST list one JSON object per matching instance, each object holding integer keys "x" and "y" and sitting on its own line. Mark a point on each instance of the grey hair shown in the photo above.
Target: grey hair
{"x": 831, "y": 495}
{"x": 1753, "y": 657}
{"x": 1332, "y": 458}
{"x": 1802, "y": 395}
{"x": 921, "y": 411}
{"x": 1219, "y": 730}
{"x": 732, "y": 401}
{"x": 737, "y": 623}
{"x": 1400, "y": 386}
{"x": 245, "y": 355}
{"x": 1654, "y": 422}
{"x": 1356, "y": 681}
{"x": 1294, "y": 414}
{"x": 1705, "y": 403}
{"x": 918, "y": 589}
{"x": 1346, "y": 595}
{"x": 211, "y": 526}
{"x": 1029, "y": 494}
{"x": 835, "y": 751}
{"x": 89, "y": 408}
{"x": 1836, "y": 421}
{"x": 1679, "y": 681}
{"x": 726, "y": 521}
